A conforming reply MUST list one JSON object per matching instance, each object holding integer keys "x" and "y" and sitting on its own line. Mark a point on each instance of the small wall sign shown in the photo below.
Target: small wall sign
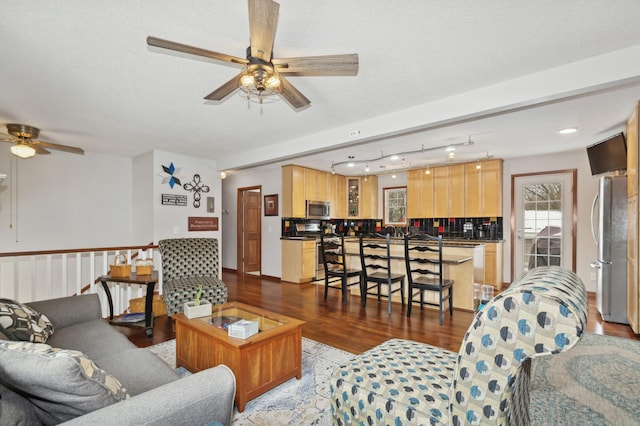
{"x": 203, "y": 223}
{"x": 174, "y": 200}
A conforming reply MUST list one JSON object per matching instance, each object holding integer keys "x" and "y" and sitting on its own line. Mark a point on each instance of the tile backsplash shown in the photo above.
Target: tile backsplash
{"x": 484, "y": 228}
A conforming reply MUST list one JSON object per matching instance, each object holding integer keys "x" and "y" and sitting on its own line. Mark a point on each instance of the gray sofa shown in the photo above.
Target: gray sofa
{"x": 153, "y": 394}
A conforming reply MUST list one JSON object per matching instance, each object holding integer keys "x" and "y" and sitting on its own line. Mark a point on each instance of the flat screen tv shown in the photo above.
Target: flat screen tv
{"x": 609, "y": 155}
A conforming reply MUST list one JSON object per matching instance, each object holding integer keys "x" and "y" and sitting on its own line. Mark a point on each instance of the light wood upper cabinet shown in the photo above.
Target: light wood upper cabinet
{"x": 483, "y": 189}
{"x": 336, "y": 195}
{"x": 419, "y": 194}
{"x": 316, "y": 185}
{"x": 300, "y": 184}
{"x": 362, "y": 197}
{"x": 369, "y": 197}
{"x": 414, "y": 193}
{"x": 449, "y": 194}
{"x": 293, "y": 191}
{"x": 339, "y": 209}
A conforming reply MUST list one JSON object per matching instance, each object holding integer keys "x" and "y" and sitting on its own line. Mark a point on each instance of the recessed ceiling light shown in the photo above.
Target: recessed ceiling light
{"x": 568, "y": 130}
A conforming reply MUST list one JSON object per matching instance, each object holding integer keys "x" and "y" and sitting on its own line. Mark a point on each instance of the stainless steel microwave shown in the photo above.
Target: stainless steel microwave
{"x": 318, "y": 210}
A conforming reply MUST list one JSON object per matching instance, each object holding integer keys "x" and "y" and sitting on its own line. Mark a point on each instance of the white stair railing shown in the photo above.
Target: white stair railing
{"x": 39, "y": 275}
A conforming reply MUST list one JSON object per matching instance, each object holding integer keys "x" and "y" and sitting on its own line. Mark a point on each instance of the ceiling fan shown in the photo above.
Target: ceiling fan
{"x": 25, "y": 146}
{"x": 262, "y": 74}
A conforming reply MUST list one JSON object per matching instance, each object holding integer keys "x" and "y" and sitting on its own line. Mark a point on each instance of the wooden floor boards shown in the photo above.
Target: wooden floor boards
{"x": 351, "y": 327}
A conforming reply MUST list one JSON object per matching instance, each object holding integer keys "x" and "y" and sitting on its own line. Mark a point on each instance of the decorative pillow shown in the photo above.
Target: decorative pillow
{"x": 21, "y": 322}
{"x": 61, "y": 384}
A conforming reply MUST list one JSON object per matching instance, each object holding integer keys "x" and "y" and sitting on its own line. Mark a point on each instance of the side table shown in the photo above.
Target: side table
{"x": 147, "y": 280}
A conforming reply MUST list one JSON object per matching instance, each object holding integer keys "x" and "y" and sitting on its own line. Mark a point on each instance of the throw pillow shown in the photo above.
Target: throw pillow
{"x": 21, "y": 322}
{"x": 61, "y": 384}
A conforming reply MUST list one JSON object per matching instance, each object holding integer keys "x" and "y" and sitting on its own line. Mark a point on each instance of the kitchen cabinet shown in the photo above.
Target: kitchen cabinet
{"x": 316, "y": 185}
{"x": 337, "y": 195}
{"x": 362, "y": 197}
{"x": 483, "y": 189}
{"x": 493, "y": 264}
{"x": 293, "y": 191}
{"x": 449, "y": 194}
{"x": 633, "y": 227}
{"x": 298, "y": 260}
{"x": 420, "y": 194}
{"x": 300, "y": 184}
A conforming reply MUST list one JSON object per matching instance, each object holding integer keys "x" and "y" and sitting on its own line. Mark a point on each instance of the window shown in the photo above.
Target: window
{"x": 395, "y": 205}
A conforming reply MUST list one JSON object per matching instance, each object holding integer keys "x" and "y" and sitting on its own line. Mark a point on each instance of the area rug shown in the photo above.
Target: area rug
{"x": 595, "y": 383}
{"x": 301, "y": 402}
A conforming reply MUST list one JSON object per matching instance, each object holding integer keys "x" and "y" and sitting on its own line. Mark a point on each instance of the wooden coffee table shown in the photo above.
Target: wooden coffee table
{"x": 260, "y": 362}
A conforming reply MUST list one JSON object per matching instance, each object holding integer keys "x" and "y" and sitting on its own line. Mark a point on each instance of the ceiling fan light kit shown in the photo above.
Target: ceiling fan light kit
{"x": 262, "y": 75}
{"x": 259, "y": 80}
{"x": 23, "y": 150}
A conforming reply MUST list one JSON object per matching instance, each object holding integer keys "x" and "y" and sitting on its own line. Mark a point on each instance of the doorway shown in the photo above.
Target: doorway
{"x": 543, "y": 220}
{"x": 249, "y": 230}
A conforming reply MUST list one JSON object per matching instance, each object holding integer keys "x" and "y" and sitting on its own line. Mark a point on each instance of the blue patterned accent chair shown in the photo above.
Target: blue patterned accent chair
{"x": 402, "y": 382}
{"x": 188, "y": 263}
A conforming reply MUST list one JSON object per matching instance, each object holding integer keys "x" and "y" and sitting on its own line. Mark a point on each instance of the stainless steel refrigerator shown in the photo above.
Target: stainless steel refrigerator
{"x": 609, "y": 230}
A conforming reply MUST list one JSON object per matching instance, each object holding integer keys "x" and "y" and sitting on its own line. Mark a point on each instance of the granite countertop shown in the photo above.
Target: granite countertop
{"x": 451, "y": 242}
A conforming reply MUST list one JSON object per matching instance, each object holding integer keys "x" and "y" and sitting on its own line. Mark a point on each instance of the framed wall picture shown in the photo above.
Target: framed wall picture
{"x": 211, "y": 204}
{"x": 271, "y": 205}
{"x": 395, "y": 206}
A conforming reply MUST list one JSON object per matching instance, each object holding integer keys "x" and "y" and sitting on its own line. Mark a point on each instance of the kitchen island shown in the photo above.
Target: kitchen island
{"x": 464, "y": 263}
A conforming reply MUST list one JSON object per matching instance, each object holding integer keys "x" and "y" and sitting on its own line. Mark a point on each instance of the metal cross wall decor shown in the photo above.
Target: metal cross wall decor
{"x": 197, "y": 188}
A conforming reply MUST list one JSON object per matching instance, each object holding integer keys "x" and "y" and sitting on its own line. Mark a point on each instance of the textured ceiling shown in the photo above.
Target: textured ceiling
{"x": 505, "y": 74}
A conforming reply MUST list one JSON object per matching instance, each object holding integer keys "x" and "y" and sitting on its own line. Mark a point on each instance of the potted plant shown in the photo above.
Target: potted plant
{"x": 198, "y": 307}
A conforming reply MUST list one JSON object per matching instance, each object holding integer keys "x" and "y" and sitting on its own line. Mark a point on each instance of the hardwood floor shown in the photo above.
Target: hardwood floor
{"x": 351, "y": 327}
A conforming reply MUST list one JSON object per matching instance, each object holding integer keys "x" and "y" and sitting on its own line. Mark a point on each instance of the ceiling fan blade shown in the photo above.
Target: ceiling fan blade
{"x": 178, "y": 47}
{"x": 225, "y": 90}
{"x": 66, "y": 148}
{"x": 292, "y": 95}
{"x": 263, "y": 18}
{"x": 7, "y": 138}
{"x": 39, "y": 149}
{"x": 318, "y": 65}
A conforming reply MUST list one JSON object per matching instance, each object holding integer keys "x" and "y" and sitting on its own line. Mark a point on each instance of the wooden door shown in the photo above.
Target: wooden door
{"x": 250, "y": 230}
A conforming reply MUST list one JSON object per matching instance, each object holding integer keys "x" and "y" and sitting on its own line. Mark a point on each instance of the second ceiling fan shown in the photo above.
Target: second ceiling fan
{"x": 262, "y": 75}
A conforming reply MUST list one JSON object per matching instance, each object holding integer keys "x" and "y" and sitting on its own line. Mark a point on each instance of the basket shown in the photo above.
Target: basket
{"x": 144, "y": 266}
{"x": 122, "y": 270}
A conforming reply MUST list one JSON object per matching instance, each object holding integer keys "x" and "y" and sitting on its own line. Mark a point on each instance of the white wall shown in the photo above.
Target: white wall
{"x": 172, "y": 221}
{"x": 270, "y": 178}
{"x": 64, "y": 200}
{"x": 587, "y": 188}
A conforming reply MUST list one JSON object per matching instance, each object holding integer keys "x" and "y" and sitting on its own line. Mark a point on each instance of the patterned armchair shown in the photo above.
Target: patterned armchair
{"x": 188, "y": 263}
{"x": 405, "y": 382}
